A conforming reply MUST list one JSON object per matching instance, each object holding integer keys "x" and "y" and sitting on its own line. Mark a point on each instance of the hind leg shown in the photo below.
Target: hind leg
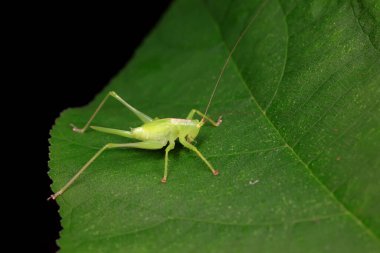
{"x": 143, "y": 117}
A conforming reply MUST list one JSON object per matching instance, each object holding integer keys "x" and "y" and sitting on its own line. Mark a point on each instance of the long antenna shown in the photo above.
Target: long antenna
{"x": 230, "y": 55}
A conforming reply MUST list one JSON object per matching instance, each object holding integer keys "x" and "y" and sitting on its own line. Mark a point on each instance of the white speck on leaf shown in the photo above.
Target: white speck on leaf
{"x": 253, "y": 182}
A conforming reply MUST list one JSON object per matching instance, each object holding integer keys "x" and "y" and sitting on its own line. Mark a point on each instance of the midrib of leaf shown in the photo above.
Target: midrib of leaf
{"x": 306, "y": 166}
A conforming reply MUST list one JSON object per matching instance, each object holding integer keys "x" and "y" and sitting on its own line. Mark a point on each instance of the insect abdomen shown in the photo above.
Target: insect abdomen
{"x": 160, "y": 129}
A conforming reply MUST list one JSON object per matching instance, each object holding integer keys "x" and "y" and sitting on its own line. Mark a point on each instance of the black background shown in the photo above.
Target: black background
{"x": 71, "y": 54}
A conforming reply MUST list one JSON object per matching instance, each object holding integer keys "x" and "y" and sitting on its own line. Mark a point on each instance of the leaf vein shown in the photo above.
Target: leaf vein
{"x": 285, "y": 60}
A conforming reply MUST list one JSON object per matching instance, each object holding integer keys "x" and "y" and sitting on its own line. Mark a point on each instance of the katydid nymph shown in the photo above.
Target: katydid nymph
{"x": 153, "y": 134}
{"x": 157, "y": 133}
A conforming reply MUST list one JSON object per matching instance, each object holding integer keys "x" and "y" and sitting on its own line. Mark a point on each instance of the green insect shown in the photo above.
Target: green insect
{"x": 153, "y": 134}
{"x": 157, "y": 133}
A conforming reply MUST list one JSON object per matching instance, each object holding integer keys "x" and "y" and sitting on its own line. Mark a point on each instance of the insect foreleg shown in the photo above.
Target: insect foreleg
{"x": 194, "y": 111}
{"x": 168, "y": 148}
{"x": 144, "y": 118}
{"x": 185, "y": 143}
{"x": 141, "y": 145}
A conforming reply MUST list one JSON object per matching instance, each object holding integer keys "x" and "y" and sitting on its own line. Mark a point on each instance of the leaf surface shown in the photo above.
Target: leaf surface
{"x": 297, "y": 151}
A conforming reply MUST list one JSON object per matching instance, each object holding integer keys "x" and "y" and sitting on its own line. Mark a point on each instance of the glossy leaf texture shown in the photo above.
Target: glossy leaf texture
{"x": 298, "y": 150}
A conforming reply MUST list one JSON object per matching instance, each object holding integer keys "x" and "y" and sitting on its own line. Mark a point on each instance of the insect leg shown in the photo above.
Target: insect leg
{"x": 168, "y": 148}
{"x": 123, "y": 133}
{"x": 194, "y": 111}
{"x": 185, "y": 143}
{"x": 141, "y": 145}
{"x": 144, "y": 118}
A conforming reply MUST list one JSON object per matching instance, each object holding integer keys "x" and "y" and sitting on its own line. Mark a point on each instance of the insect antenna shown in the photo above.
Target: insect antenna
{"x": 230, "y": 55}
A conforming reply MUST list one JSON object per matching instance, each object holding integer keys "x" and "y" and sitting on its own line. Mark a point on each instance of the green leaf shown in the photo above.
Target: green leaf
{"x": 298, "y": 150}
